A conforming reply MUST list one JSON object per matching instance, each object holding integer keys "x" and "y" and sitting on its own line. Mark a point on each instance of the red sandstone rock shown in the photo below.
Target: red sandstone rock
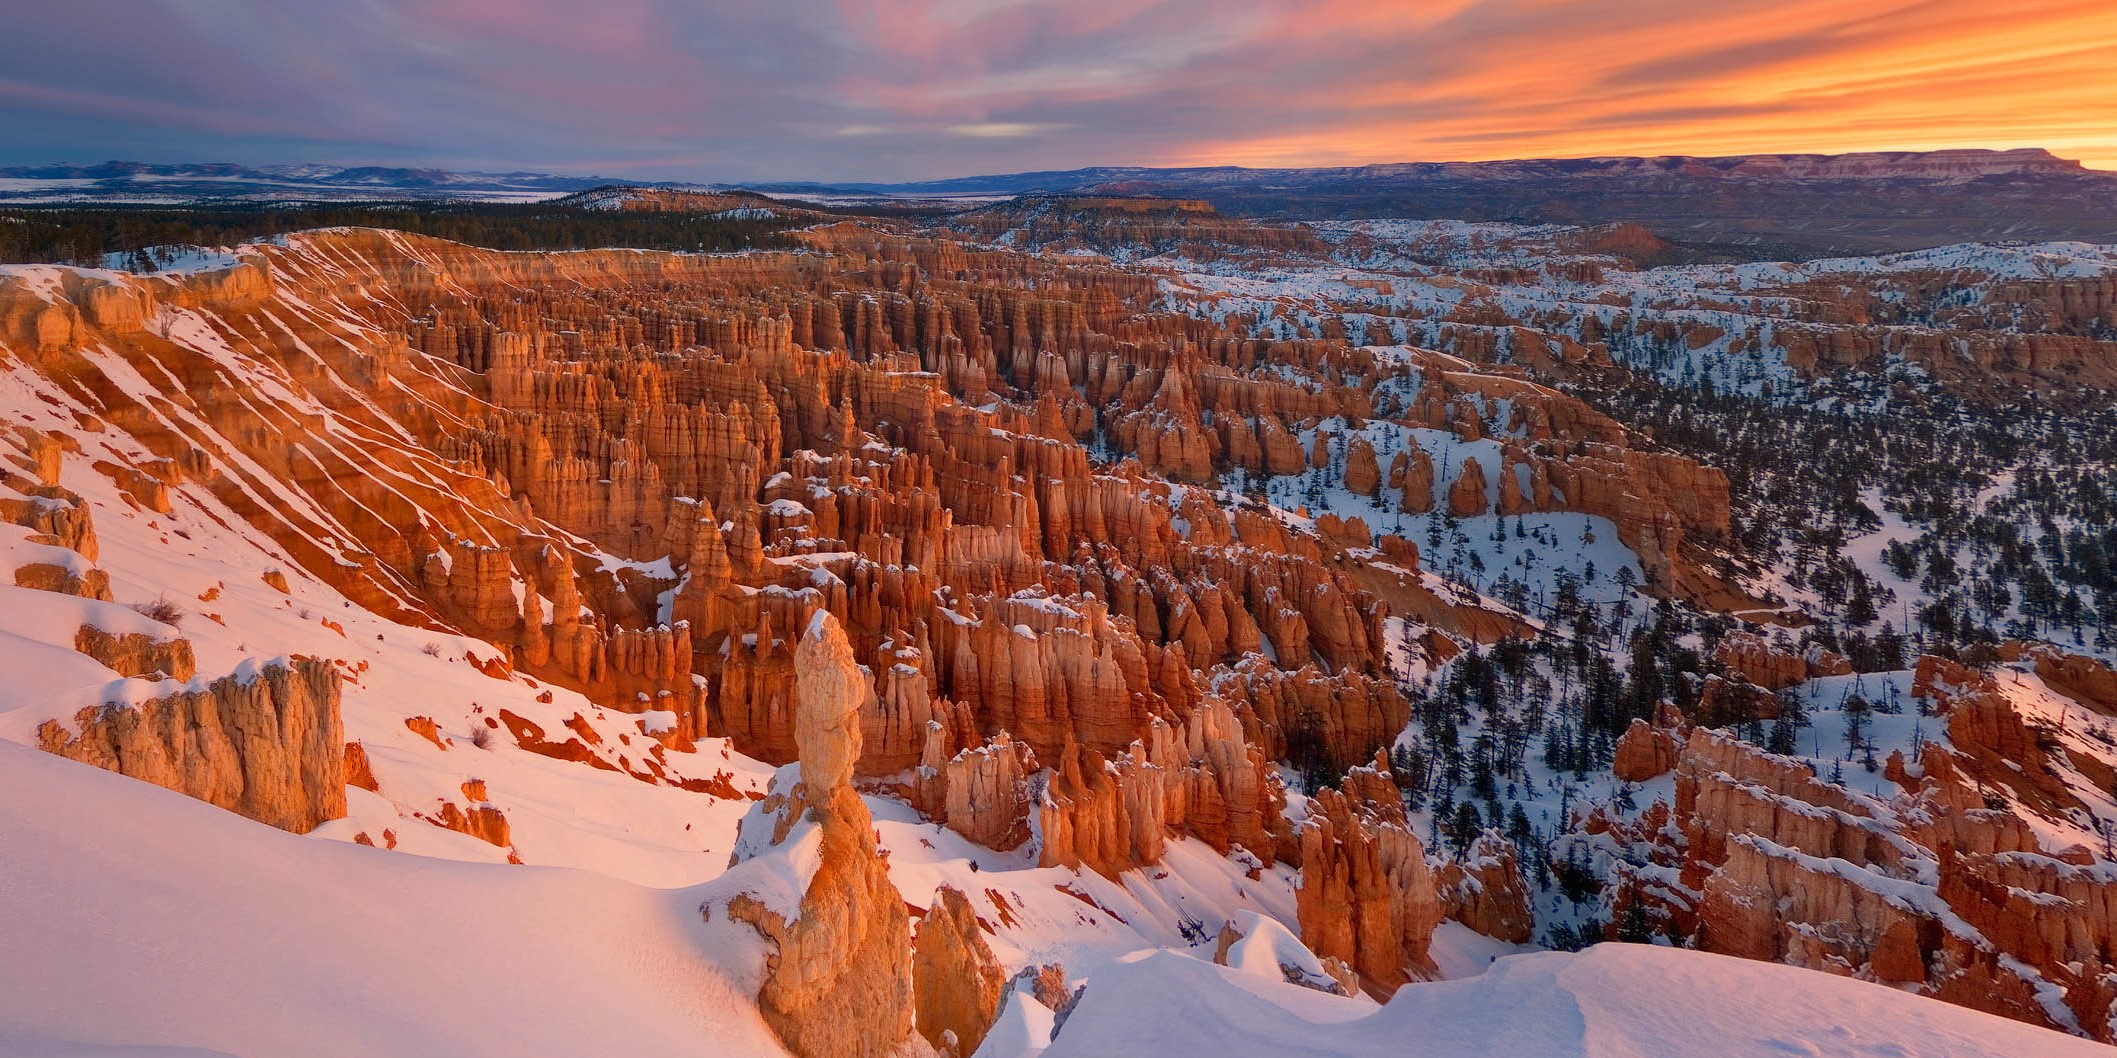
{"x": 954, "y": 975}
{"x": 1362, "y": 474}
{"x": 1466, "y": 497}
{"x": 1755, "y": 661}
{"x": 358, "y": 772}
{"x": 1366, "y": 895}
{"x": 425, "y": 728}
{"x": 1948, "y": 888}
{"x": 268, "y": 746}
{"x": 838, "y": 981}
{"x": 479, "y": 819}
{"x": 1643, "y": 753}
{"x": 1484, "y": 889}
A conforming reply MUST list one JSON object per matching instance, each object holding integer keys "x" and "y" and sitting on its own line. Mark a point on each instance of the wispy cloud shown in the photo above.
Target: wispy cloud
{"x": 1005, "y": 129}
{"x": 878, "y": 89}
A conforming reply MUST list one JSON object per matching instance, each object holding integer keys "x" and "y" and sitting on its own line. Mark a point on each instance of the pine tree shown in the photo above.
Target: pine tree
{"x": 1633, "y": 925}
{"x": 1781, "y": 738}
{"x": 1465, "y": 826}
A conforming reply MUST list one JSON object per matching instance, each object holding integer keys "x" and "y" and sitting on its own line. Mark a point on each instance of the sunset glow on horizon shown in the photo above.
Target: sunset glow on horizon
{"x": 1778, "y": 78}
{"x": 895, "y": 90}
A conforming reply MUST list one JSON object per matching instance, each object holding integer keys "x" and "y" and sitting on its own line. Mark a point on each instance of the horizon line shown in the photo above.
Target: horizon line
{"x": 474, "y": 168}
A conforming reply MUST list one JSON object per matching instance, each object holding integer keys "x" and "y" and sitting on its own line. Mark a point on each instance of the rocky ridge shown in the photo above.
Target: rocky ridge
{"x": 1988, "y": 321}
{"x": 1978, "y": 882}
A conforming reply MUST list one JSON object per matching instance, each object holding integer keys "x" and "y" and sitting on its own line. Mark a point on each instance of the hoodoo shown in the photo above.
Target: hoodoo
{"x": 838, "y": 979}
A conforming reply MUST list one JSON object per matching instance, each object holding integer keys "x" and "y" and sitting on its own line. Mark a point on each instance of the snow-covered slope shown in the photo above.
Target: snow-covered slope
{"x": 137, "y": 921}
{"x": 1610, "y": 1001}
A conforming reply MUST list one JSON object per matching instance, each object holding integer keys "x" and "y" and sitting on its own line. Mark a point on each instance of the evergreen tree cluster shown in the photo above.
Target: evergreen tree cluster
{"x": 2003, "y": 513}
{"x": 87, "y": 236}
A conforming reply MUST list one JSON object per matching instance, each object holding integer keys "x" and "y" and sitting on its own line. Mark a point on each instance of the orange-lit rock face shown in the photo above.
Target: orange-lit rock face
{"x": 838, "y": 979}
{"x": 956, "y": 978}
{"x": 268, "y": 746}
{"x": 1367, "y": 897}
{"x": 643, "y": 475}
{"x": 481, "y": 819}
{"x": 1466, "y": 497}
{"x": 1484, "y": 889}
{"x": 1752, "y": 659}
{"x": 1964, "y": 885}
{"x": 1643, "y": 753}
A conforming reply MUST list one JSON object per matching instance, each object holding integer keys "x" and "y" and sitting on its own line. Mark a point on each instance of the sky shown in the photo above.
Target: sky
{"x": 902, "y": 90}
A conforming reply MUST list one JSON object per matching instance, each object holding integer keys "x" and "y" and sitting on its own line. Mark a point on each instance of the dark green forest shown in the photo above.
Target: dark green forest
{"x": 76, "y": 235}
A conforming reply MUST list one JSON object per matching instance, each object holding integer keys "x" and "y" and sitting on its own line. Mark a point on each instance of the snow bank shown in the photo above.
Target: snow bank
{"x": 1611, "y": 1001}
{"x": 1271, "y": 951}
{"x": 138, "y": 918}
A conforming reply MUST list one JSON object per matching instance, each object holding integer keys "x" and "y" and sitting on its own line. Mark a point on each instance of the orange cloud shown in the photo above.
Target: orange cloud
{"x": 906, "y": 89}
{"x": 1559, "y": 80}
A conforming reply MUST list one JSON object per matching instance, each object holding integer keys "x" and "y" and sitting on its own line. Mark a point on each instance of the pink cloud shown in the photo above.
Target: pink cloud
{"x": 766, "y": 88}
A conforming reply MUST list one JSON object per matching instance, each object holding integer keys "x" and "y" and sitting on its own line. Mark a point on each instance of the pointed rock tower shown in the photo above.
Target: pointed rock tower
{"x": 838, "y": 981}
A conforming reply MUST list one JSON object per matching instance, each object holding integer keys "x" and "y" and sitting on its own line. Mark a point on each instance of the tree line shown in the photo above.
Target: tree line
{"x": 89, "y": 236}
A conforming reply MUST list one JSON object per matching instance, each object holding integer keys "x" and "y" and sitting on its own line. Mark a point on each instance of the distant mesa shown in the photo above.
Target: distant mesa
{"x": 1768, "y": 205}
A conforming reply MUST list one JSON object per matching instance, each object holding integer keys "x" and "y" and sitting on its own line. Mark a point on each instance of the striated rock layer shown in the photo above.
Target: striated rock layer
{"x": 265, "y": 744}
{"x": 1367, "y": 897}
{"x": 1977, "y": 883}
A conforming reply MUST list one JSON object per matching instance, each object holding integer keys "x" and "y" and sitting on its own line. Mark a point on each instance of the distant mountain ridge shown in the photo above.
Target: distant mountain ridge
{"x": 1762, "y": 206}
{"x": 123, "y": 181}
{"x": 1756, "y": 205}
{"x": 1878, "y": 165}
{"x": 1946, "y": 165}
